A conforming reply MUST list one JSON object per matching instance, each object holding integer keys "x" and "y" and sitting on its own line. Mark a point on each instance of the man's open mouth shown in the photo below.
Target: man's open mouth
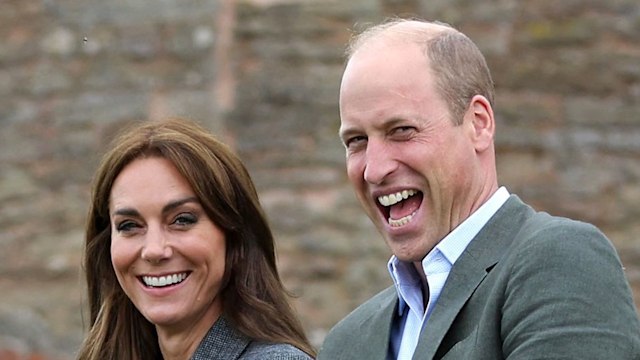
{"x": 400, "y": 207}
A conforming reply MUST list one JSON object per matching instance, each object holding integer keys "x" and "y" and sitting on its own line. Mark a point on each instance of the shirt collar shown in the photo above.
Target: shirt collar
{"x": 450, "y": 247}
{"x": 457, "y": 240}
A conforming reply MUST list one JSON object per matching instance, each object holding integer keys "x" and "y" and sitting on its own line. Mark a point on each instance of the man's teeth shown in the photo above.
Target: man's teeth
{"x": 158, "y": 281}
{"x": 388, "y": 200}
{"x": 402, "y": 221}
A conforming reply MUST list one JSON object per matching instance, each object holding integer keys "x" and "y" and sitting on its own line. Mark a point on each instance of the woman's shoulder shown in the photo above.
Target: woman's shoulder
{"x": 273, "y": 351}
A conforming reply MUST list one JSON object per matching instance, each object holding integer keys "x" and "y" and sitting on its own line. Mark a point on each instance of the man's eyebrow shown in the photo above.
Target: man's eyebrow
{"x": 348, "y": 131}
{"x": 345, "y": 132}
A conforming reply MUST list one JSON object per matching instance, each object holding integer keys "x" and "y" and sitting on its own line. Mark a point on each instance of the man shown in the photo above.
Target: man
{"x": 477, "y": 273}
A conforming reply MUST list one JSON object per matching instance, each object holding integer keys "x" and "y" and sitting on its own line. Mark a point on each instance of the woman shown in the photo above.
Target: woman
{"x": 179, "y": 258}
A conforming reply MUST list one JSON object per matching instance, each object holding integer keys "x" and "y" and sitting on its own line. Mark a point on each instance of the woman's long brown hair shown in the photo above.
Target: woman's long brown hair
{"x": 254, "y": 299}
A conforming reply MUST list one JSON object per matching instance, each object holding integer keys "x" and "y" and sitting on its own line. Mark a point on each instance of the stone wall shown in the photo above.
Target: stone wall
{"x": 264, "y": 75}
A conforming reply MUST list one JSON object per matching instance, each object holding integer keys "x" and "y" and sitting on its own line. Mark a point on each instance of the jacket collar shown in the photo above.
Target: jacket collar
{"x": 482, "y": 254}
{"x": 222, "y": 342}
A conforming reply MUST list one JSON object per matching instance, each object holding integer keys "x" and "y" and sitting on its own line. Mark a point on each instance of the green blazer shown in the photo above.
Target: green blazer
{"x": 529, "y": 286}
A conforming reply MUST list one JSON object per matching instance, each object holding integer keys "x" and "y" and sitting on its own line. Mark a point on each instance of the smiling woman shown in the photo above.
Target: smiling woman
{"x": 167, "y": 254}
{"x": 179, "y": 257}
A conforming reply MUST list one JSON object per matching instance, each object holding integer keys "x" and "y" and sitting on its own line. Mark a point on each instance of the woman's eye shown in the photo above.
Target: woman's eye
{"x": 126, "y": 226}
{"x": 185, "y": 219}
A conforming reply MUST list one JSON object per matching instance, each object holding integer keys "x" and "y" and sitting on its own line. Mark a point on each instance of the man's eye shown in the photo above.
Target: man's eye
{"x": 355, "y": 141}
{"x": 402, "y": 132}
{"x": 185, "y": 219}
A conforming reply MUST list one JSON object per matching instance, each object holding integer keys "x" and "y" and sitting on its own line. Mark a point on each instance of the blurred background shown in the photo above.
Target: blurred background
{"x": 264, "y": 76}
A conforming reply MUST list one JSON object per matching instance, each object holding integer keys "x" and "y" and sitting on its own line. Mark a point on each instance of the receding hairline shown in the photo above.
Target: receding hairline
{"x": 394, "y": 30}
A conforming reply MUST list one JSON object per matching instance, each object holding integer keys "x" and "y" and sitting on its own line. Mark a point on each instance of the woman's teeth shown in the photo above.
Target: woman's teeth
{"x": 159, "y": 281}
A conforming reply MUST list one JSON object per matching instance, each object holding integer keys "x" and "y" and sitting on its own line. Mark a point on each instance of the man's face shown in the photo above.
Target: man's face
{"x": 411, "y": 168}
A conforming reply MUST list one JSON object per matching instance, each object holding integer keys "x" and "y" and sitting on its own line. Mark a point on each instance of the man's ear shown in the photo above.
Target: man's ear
{"x": 482, "y": 122}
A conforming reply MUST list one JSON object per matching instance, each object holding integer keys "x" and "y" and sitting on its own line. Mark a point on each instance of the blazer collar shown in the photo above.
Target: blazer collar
{"x": 222, "y": 342}
{"x": 484, "y": 251}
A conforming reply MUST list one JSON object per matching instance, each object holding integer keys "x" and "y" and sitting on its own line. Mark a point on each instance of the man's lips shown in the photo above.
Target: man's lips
{"x": 398, "y": 208}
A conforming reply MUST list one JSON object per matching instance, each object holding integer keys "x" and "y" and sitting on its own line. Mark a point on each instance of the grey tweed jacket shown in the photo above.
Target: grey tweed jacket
{"x": 223, "y": 342}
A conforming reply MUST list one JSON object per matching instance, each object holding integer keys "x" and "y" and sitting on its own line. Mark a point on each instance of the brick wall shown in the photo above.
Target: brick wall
{"x": 264, "y": 75}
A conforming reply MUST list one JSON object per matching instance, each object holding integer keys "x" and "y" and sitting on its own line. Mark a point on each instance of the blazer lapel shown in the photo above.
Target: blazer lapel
{"x": 470, "y": 269}
{"x": 377, "y": 327}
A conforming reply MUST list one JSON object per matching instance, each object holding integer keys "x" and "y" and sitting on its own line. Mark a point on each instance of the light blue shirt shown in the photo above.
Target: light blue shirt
{"x": 412, "y": 314}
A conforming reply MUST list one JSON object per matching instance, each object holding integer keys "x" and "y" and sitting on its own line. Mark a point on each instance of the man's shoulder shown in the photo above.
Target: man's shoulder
{"x": 547, "y": 230}
{"x": 538, "y": 228}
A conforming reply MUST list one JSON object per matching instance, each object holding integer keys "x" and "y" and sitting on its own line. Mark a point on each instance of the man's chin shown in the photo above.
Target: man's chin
{"x": 406, "y": 255}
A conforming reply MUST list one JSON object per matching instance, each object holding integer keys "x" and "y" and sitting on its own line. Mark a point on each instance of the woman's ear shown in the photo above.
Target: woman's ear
{"x": 482, "y": 122}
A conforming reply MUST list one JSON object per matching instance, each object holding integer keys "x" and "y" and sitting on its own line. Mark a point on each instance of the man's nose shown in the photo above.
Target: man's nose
{"x": 156, "y": 246}
{"x": 379, "y": 162}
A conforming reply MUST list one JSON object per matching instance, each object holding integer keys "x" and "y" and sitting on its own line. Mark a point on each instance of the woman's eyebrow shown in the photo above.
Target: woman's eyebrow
{"x": 177, "y": 203}
{"x": 128, "y": 211}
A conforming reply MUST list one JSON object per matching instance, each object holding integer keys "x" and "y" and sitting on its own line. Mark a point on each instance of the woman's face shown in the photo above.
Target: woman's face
{"x": 168, "y": 256}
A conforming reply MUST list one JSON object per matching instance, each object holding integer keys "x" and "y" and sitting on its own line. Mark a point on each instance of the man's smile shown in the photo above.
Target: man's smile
{"x": 398, "y": 208}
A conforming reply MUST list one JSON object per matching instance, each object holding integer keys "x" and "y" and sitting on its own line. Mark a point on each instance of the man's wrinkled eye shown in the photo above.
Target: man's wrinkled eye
{"x": 403, "y": 130}
{"x": 402, "y": 133}
{"x": 354, "y": 141}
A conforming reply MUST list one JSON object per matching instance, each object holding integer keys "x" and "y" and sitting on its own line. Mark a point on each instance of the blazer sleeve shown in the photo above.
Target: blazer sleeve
{"x": 567, "y": 298}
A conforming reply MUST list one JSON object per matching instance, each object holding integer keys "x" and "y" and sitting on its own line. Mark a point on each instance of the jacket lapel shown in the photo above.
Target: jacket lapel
{"x": 377, "y": 327}
{"x": 484, "y": 251}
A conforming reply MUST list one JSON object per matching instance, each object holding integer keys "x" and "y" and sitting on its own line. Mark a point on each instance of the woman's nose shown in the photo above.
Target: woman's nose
{"x": 156, "y": 247}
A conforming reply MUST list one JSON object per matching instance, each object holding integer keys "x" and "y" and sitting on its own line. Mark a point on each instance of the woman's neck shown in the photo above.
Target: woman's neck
{"x": 180, "y": 343}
